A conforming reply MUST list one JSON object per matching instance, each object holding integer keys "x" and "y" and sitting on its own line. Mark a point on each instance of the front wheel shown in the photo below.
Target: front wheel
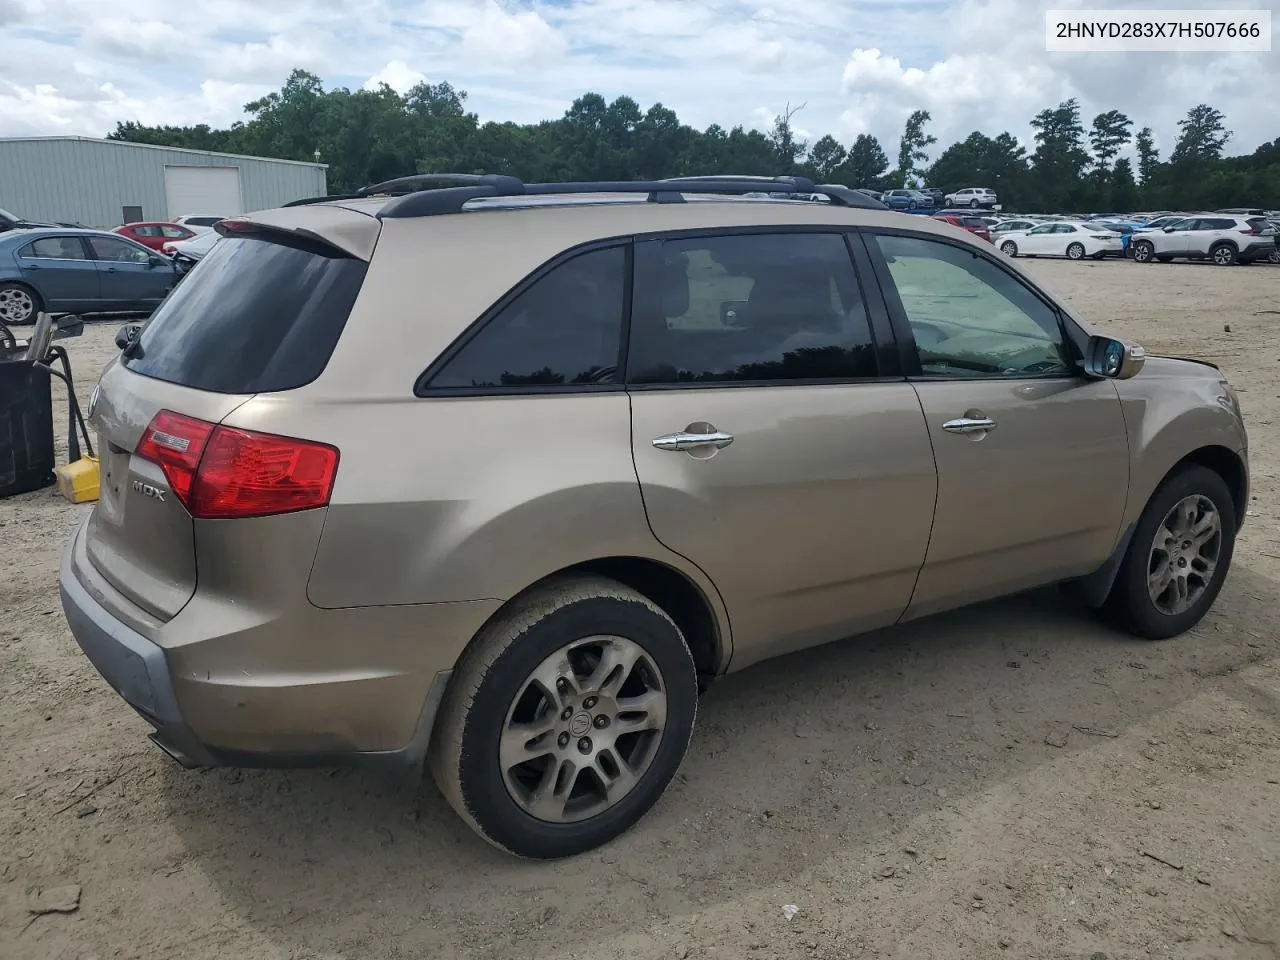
{"x": 18, "y": 304}
{"x": 1009, "y": 248}
{"x": 1075, "y": 251}
{"x": 566, "y": 718}
{"x": 1178, "y": 557}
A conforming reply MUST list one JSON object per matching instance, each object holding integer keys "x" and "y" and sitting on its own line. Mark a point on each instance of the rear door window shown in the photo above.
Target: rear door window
{"x": 754, "y": 308}
{"x": 118, "y": 251}
{"x": 260, "y": 314}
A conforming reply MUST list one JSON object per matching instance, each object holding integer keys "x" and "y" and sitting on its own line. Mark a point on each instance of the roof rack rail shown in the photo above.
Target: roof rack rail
{"x": 434, "y": 194}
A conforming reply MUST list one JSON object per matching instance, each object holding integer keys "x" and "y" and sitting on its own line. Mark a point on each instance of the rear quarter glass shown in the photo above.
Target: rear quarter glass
{"x": 260, "y": 314}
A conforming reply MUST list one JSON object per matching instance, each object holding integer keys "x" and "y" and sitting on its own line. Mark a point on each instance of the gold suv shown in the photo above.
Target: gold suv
{"x": 499, "y": 475}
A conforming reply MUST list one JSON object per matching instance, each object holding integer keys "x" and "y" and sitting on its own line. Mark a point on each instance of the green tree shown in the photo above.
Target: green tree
{"x": 1060, "y": 158}
{"x": 864, "y": 165}
{"x": 826, "y": 156}
{"x": 912, "y": 151}
{"x": 1148, "y": 156}
{"x": 1109, "y": 135}
{"x": 1204, "y": 134}
{"x": 1124, "y": 190}
{"x": 788, "y": 150}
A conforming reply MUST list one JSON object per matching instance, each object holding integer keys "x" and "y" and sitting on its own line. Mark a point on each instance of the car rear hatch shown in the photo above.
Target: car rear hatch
{"x": 260, "y": 313}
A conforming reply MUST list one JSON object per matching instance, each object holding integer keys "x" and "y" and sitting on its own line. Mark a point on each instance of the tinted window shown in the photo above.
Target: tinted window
{"x": 256, "y": 315}
{"x": 203, "y": 221}
{"x": 146, "y": 231}
{"x": 974, "y": 222}
{"x": 118, "y": 251}
{"x": 753, "y": 308}
{"x": 55, "y": 248}
{"x": 564, "y": 330}
{"x": 969, "y": 317}
{"x": 1047, "y": 228}
{"x": 1220, "y": 224}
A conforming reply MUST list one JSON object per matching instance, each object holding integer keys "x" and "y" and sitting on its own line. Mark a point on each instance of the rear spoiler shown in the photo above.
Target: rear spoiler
{"x": 345, "y": 231}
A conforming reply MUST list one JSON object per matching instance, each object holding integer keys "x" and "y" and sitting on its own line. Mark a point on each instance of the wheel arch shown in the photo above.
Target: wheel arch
{"x": 694, "y": 607}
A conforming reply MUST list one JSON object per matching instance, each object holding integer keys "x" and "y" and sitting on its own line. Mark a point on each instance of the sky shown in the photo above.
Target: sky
{"x": 853, "y": 66}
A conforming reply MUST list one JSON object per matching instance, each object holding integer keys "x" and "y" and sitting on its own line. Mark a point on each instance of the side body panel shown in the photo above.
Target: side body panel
{"x": 813, "y": 523}
{"x": 1039, "y": 498}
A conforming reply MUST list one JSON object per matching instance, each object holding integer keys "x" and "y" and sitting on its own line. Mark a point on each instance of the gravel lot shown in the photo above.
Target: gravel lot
{"x": 1012, "y": 780}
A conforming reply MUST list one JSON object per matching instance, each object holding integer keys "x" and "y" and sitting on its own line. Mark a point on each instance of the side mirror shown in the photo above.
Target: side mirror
{"x": 1167, "y": 229}
{"x": 67, "y": 325}
{"x": 157, "y": 260}
{"x": 127, "y": 334}
{"x": 1114, "y": 359}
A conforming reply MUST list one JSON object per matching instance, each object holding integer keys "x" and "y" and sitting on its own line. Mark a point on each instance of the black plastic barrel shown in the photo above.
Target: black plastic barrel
{"x": 26, "y": 428}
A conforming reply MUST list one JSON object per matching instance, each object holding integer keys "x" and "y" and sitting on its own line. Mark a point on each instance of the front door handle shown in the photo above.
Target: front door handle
{"x": 688, "y": 441}
{"x": 969, "y": 425}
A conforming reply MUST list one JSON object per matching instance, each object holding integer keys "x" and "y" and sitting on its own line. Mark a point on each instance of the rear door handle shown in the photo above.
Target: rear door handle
{"x": 969, "y": 425}
{"x": 688, "y": 441}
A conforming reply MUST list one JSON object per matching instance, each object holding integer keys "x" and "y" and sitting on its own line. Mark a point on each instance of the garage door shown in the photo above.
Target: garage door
{"x": 209, "y": 190}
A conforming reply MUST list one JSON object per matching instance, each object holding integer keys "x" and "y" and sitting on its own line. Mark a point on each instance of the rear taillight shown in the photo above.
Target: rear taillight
{"x": 221, "y": 472}
{"x": 1247, "y": 230}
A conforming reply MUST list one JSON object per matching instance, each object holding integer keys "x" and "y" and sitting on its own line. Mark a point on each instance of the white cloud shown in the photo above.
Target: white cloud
{"x": 397, "y": 75}
{"x": 859, "y": 66}
{"x": 521, "y": 39}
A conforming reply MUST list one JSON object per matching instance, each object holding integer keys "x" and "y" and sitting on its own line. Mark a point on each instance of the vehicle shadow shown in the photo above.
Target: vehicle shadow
{"x": 817, "y": 754}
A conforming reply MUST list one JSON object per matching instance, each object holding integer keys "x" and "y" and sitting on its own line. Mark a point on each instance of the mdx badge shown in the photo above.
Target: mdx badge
{"x": 147, "y": 490}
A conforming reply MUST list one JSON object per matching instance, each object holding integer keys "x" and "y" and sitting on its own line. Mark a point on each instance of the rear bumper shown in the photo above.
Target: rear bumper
{"x": 310, "y": 688}
{"x": 1258, "y": 250}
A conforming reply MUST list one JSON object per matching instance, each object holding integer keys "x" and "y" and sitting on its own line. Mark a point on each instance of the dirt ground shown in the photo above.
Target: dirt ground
{"x": 1011, "y": 780}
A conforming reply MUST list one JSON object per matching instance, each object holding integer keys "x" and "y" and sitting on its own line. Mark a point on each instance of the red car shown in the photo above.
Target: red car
{"x": 154, "y": 234}
{"x": 975, "y": 225}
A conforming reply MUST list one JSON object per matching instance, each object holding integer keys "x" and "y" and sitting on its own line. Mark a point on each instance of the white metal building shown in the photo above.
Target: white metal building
{"x": 104, "y": 183}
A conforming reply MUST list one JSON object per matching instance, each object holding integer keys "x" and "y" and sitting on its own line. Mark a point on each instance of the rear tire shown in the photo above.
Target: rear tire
{"x": 498, "y": 708}
{"x": 1131, "y": 604}
{"x": 1144, "y": 251}
{"x": 973, "y": 204}
{"x": 19, "y": 304}
{"x": 1223, "y": 254}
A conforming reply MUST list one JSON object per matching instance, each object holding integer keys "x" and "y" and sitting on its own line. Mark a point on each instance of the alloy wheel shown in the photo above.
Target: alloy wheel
{"x": 1142, "y": 252}
{"x": 16, "y": 305}
{"x": 1009, "y": 248}
{"x": 1075, "y": 251}
{"x": 1184, "y": 555}
{"x": 1223, "y": 256}
{"x": 583, "y": 729}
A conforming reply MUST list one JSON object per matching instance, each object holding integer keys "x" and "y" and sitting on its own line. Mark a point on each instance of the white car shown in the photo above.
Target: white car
{"x": 1223, "y": 238}
{"x": 194, "y": 248}
{"x": 1075, "y": 241}
{"x": 1011, "y": 226}
{"x": 197, "y": 223}
{"x": 972, "y": 197}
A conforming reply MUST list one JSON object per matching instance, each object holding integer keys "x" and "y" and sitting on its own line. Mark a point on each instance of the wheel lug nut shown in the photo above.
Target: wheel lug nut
{"x": 562, "y": 684}
{"x": 589, "y": 703}
{"x": 601, "y": 722}
{"x": 584, "y": 745}
{"x": 563, "y": 740}
{"x": 566, "y": 713}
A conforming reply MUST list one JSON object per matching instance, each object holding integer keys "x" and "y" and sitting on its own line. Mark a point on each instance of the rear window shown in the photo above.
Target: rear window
{"x": 255, "y": 316}
{"x": 203, "y": 221}
{"x": 974, "y": 222}
{"x": 1259, "y": 224}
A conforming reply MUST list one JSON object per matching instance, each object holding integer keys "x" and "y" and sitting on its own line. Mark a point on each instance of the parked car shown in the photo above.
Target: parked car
{"x": 1075, "y": 241}
{"x": 10, "y": 221}
{"x": 1223, "y": 239}
{"x": 199, "y": 223}
{"x": 1162, "y": 221}
{"x": 154, "y": 234}
{"x": 972, "y": 197}
{"x": 906, "y": 200}
{"x": 974, "y": 225}
{"x": 937, "y": 199}
{"x": 187, "y": 253}
{"x": 1012, "y": 226}
{"x": 78, "y": 271}
{"x": 752, "y": 469}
